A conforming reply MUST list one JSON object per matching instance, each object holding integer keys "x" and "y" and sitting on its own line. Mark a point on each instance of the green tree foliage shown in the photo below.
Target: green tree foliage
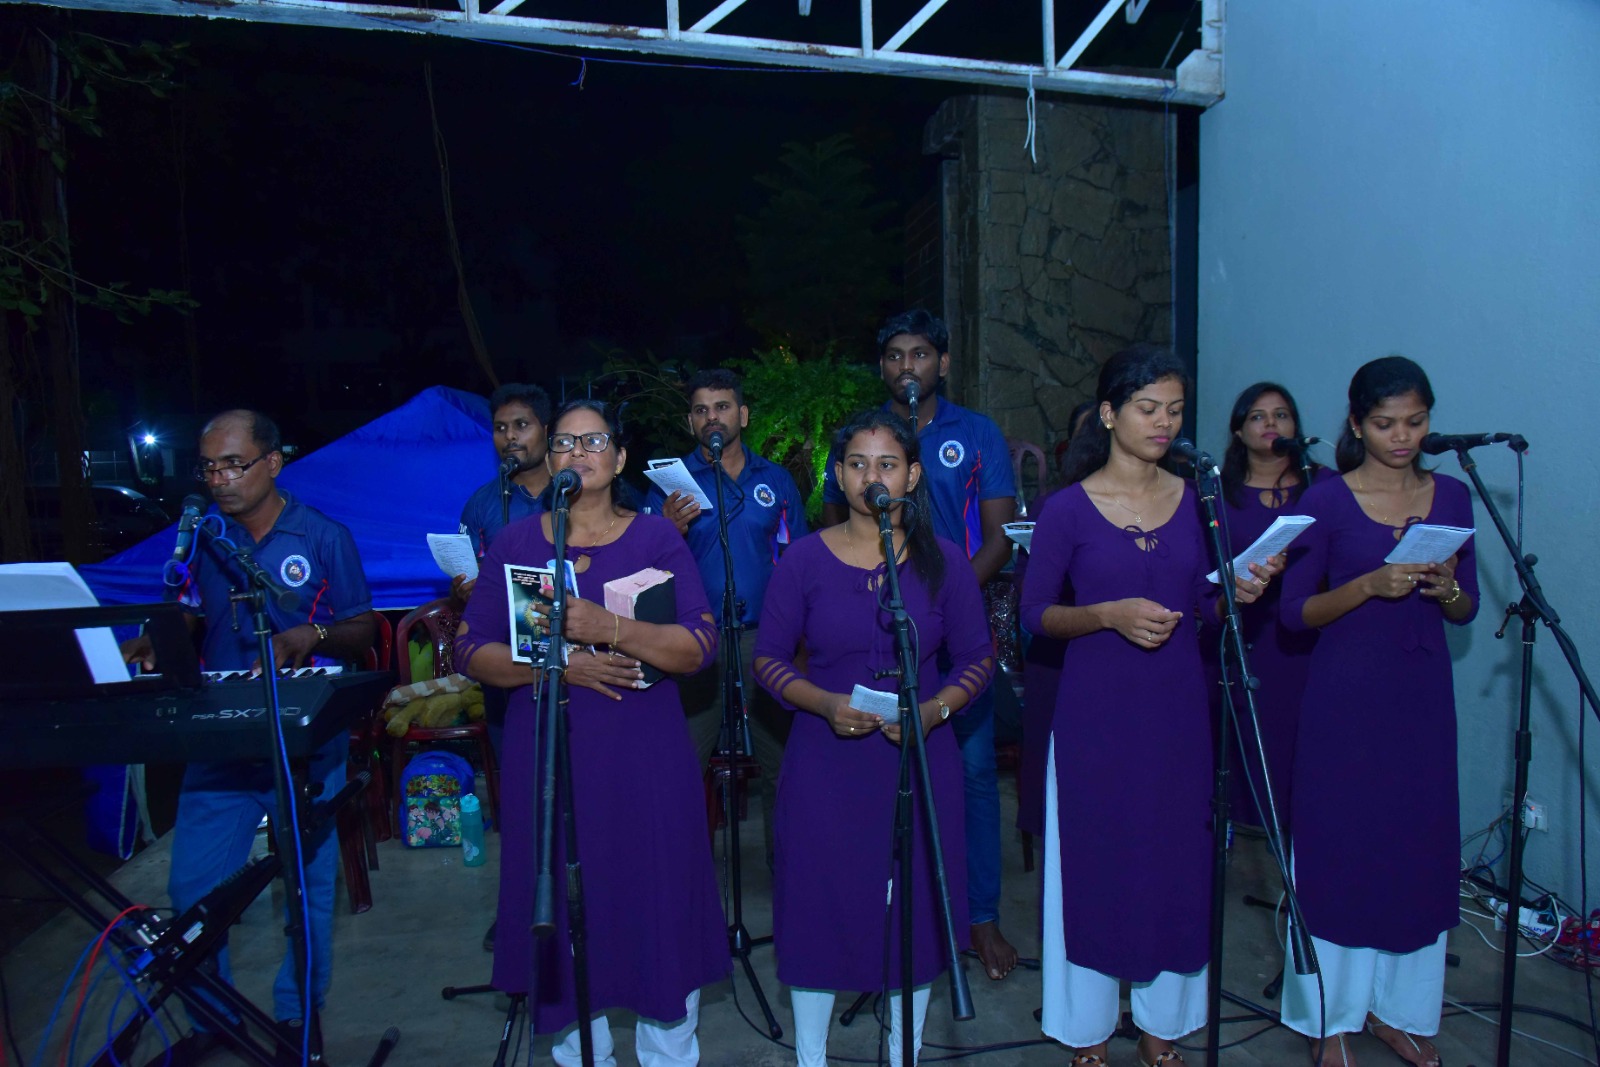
{"x": 795, "y": 405}
{"x": 820, "y": 261}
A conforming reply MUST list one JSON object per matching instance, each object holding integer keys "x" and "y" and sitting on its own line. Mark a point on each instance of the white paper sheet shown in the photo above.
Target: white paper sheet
{"x": 453, "y": 554}
{"x": 1021, "y": 533}
{"x": 672, "y": 476}
{"x": 1423, "y": 543}
{"x": 885, "y": 706}
{"x": 1273, "y": 540}
{"x": 41, "y": 586}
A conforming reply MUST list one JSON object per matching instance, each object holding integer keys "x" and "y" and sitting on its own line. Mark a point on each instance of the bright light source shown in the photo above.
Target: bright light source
{"x": 149, "y": 438}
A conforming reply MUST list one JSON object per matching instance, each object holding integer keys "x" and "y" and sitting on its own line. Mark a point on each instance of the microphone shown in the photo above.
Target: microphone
{"x": 1437, "y": 443}
{"x": 1293, "y": 446}
{"x": 194, "y": 505}
{"x": 715, "y": 444}
{"x": 877, "y": 495}
{"x": 510, "y": 466}
{"x": 913, "y": 392}
{"x": 1185, "y": 448}
{"x": 566, "y": 482}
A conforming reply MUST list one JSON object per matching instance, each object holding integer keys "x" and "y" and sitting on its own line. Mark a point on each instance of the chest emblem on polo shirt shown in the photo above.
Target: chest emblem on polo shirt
{"x": 951, "y": 453}
{"x": 765, "y": 496}
{"x": 295, "y": 570}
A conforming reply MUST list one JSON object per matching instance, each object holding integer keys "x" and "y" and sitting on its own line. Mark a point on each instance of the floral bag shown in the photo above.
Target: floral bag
{"x": 431, "y": 788}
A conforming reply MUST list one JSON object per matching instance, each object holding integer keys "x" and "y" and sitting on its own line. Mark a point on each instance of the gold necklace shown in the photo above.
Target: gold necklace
{"x": 1138, "y": 519}
{"x": 1409, "y": 501}
{"x": 597, "y": 542}
{"x": 850, "y": 537}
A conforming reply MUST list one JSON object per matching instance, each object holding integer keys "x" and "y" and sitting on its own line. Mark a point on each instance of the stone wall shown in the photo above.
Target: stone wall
{"x": 1050, "y": 266}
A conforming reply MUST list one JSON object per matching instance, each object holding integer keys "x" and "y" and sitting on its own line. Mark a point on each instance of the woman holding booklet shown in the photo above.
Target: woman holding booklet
{"x": 1127, "y": 848}
{"x": 654, "y": 920}
{"x": 1258, "y": 486}
{"x": 1375, "y": 817}
{"x": 825, "y": 636}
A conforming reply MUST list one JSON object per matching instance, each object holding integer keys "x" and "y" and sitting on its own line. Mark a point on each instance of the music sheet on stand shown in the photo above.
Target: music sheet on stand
{"x": 42, "y": 586}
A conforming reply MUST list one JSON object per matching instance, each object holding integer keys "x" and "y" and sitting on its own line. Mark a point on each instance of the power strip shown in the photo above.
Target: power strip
{"x": 1532, "y": 921}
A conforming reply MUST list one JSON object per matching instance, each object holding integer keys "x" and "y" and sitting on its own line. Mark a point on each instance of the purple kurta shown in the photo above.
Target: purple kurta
{"x": 1279, "y": 658}
{"x": 654, "y": 921}
{"x": 836, "y": 796}
{"x": 1377, "y": 824}
{"x": 1133, "y": 742}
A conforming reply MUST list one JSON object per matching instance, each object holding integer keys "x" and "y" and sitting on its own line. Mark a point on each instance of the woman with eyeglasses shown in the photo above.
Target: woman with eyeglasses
{"x": 654, "y": 919}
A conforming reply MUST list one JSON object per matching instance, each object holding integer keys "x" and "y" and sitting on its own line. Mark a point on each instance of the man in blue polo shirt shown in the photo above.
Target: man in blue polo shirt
{"x": 765, "y": 513}
{"x": 330, "y": 620}
{"x": 967, "y": 468}
{"x": 519, "y": 415}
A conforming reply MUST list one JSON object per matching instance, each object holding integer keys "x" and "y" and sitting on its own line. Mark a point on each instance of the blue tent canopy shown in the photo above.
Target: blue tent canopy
{"x": 392, "y": 482}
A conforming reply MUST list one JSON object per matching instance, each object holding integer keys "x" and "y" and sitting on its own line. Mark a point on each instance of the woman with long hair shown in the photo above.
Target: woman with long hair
{"x": 1129, "y": 778}
{"x": 1376, "y": 813}
{"x": 654, "y": 920}
{"x": 836, "y": 796}
{"x": 1258, "y": 485}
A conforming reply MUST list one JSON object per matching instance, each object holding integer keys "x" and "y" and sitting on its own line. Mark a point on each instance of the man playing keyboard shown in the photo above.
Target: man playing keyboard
{"x": 221, "y": 804}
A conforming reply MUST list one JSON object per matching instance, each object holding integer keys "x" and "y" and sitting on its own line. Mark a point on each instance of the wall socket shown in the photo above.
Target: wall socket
{"x": 1534, "y": 815}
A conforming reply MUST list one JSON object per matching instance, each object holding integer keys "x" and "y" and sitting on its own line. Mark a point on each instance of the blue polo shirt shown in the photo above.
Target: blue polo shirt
{"x": 765, "y": 514}
{"x": 480, "y": 516}
{"x": 964, "y": 461}
{"x": 306, "y": 552}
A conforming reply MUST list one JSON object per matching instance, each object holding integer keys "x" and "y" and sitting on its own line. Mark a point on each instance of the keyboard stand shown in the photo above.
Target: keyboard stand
{"x": 175, "y": 957}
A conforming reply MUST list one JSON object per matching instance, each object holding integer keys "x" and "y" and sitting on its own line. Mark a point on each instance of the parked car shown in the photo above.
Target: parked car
{"x": 122, "y": 518}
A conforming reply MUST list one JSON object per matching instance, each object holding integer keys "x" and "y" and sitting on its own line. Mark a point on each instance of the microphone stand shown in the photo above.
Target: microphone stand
{"x": 1209, "y": 484}
{"x": 557, "y": 771}
{"x": 289, "y": 839}
{"x": 1532, "y": 609}
{"x": 736, "y": 738}
{"x": 913, "y": 746}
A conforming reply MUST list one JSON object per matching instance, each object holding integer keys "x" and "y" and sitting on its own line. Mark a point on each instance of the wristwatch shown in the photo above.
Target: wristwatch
{"x": 322, "y": 632}
{"x": 944, "y": 709}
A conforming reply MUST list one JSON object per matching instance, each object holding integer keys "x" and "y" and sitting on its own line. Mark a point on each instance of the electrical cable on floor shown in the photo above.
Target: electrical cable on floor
{"x": 1520, "y": 1033}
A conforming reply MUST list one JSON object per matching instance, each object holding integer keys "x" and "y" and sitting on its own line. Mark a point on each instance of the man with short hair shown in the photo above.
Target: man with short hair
{"x": 765, "y": 514}
{"x": 330, "y": 620}
{"x": 519, "y": 415}
{"x": 967, "y": 468}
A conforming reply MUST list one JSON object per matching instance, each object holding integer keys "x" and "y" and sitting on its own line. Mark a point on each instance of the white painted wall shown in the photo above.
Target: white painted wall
{"x": 1422, "y": 178}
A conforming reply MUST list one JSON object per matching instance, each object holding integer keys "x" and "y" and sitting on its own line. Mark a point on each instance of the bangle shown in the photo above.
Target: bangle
{"x": 1454, "y": 596}
{"x": 616, "y": 630}
{"x": 322, "y": 632}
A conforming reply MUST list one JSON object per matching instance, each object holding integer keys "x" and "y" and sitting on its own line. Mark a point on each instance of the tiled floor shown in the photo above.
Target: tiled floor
{"x": 425, "y": 930}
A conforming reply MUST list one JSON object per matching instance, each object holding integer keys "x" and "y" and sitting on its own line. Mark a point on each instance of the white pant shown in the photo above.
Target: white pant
{"x": 813, "y": 1011}
{"x": 1082, "y": 1007}
{"x": 675, "y": 1045}
{"x": 1404, "y": 990}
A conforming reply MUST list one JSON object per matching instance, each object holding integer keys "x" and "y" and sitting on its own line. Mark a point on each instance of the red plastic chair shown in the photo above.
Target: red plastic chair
{"x": 363, "y": 823}
{"x": 439, "y": 620}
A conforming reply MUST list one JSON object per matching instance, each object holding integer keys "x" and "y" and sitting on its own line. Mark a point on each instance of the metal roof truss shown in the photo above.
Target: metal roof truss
{"x": 1197, "y": 79}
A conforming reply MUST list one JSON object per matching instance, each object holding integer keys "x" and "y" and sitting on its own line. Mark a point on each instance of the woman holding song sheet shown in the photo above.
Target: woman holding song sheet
{"x": 836, "y": 796}
{"x": 1375, "y": 817}
{"x": 654, "y": 920}
{"x": 1259, "y": 485}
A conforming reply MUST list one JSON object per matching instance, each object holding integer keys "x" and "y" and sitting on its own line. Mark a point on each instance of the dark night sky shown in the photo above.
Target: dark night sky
{"x": 312, "y": 201}
{"x": 301, "y": 163}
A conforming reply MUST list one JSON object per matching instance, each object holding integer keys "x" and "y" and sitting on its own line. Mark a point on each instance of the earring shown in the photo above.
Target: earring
{"x": 1358, "y": 435}
{"x": 1107, "y": 425}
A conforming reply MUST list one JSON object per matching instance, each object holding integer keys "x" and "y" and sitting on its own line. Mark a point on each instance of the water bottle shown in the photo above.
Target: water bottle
{"x": 471, "y": 831}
